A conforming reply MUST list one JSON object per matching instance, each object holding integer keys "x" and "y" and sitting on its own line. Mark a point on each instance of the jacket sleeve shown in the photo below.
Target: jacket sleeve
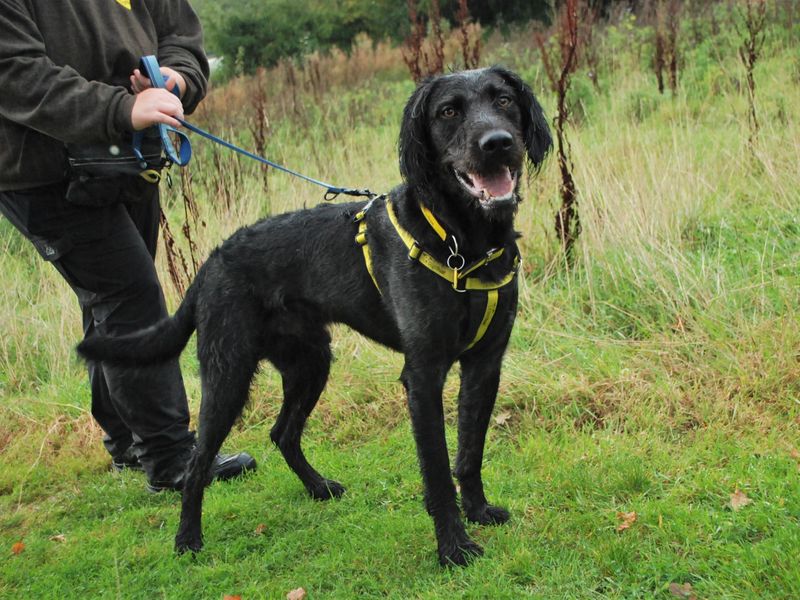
{"x": 180, "y": 46}
{"x": 52, "y": 99}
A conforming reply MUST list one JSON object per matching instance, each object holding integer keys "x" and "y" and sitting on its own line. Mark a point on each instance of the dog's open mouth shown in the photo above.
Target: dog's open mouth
{"x": 490, "y": 188}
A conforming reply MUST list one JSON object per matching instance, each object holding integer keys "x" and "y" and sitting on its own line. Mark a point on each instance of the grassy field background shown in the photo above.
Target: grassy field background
{"x": 658, "y": 376}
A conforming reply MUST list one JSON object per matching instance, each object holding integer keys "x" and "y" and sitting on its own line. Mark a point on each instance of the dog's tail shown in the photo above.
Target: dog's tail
{"x": 152, "y": 345}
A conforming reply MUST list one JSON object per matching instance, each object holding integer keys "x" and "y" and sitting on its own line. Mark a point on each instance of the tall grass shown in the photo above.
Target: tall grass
{"x": 668, "y": 195}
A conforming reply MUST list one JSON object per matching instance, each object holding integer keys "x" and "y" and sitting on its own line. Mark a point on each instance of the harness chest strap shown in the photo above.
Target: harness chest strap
{"x": 453, "y": 276}
{"x": 457, "y": 277}
{"x": 488, "y": 315}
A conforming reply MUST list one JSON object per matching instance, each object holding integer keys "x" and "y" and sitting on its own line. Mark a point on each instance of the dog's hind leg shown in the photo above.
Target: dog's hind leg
{"x": 226, "y": 369}
{"x": 479, "y": 382}
{"x": 304, "y": 364}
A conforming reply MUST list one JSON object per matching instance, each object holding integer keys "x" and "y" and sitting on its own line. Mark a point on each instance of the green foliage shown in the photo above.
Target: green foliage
{"x": 263, "y": 32}
{"x": 581, "y": 97}
{"x": 640, "y": 104}
{"x": 266, "y": 33}
{"x": 501, "y": 13}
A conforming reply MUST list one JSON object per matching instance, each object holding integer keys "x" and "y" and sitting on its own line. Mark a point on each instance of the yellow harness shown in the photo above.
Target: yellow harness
{"x": 454, "y": 271}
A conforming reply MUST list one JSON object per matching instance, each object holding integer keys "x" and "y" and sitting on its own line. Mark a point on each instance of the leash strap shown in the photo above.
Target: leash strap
{"x": 149, "y": 65}
{"x": 331, "y": 192}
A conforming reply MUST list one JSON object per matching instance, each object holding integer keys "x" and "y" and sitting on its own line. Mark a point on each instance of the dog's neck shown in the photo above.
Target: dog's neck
{"x": 475, "y": 231}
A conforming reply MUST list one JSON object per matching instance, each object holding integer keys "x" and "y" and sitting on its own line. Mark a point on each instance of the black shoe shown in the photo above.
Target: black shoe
{"x": 126, "y": 461}
{"x": 226, "y": 466}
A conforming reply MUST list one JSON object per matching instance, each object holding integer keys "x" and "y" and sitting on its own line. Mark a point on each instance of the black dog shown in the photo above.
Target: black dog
{"x": 429, "y": 271}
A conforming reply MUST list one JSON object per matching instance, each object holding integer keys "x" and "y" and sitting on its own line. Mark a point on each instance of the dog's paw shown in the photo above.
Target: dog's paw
{"x": 487, "y": 515}
{"x": 458, "y": 553}
{"x": 188, "y": 543}
{"x": 326, "y": 489}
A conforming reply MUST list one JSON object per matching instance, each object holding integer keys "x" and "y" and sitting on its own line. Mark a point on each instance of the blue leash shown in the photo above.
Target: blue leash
{"x": 149, "y": 65}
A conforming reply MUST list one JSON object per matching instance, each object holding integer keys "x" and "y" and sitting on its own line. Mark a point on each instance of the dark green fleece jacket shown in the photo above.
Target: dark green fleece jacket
{"x": 64, "y": 75}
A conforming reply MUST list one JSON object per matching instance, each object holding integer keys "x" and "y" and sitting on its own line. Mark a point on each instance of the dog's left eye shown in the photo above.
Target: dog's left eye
{"x": 504, "y": 101}
{"x": 448, "y": 112}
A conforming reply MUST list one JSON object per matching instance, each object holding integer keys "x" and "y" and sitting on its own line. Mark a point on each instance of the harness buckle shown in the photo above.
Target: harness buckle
{"x": 414, "y": 252}
{"x": 363, "y": 212}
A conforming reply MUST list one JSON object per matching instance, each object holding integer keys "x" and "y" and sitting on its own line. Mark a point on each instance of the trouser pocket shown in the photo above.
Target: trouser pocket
{"x": 104, "y": 191}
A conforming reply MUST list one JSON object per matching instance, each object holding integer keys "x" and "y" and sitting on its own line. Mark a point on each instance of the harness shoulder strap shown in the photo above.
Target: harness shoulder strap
{"x": 433, "y": 222}
{"x": 361, "y": 240}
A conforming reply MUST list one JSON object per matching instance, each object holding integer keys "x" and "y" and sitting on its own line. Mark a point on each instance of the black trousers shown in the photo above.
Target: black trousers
{"x": 106, "y": 256}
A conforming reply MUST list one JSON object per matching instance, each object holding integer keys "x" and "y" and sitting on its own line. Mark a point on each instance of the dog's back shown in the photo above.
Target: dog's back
{"x": 305, "y": 260}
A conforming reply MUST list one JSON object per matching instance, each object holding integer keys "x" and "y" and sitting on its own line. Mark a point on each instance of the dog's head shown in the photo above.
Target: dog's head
{"x": 468, "y": 134}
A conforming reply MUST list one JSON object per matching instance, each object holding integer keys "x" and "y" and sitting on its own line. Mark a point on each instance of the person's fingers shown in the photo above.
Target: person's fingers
{"x": 173, "y": 79}
{"x": 166, "y": 107}
{"x": 139, "y": 82}
{"x": 156, "y": 106}
{"x": 171, "y": 121}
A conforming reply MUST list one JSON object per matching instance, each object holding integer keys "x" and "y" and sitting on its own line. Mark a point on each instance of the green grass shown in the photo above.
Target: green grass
{"x": 657, "y": 376}
{"x": 265, "y": 537}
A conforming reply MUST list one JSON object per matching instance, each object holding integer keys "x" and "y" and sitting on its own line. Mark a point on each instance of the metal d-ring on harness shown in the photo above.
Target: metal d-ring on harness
{"x": 455, "y": 270}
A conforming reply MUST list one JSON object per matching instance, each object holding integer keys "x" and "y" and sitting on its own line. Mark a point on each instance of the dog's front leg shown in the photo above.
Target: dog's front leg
{"x": 424, "y": 383}
{"x": 480, "y": 379}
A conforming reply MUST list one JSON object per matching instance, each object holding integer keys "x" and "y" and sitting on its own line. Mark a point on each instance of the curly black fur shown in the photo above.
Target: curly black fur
{"x": 270, "y": 291}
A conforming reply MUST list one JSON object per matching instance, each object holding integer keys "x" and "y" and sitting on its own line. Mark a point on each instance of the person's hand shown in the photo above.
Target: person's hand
{"x": 155, "y": 105}
{"x": 140, "y": 82}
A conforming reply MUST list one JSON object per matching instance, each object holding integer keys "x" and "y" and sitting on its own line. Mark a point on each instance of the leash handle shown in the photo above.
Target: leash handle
{"x": 149, "y": 66}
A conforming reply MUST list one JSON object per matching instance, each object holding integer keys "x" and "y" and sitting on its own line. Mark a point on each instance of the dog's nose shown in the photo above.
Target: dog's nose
{"x": 494, "y": 140}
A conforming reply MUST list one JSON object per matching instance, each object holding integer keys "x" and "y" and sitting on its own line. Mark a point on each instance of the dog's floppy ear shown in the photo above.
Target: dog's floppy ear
{"x": 415, "y": 144}
{"x": 534, "y": 125}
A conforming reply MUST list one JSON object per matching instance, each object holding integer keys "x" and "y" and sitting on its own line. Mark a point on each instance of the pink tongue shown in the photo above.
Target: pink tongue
{"x": 497, "y": 185}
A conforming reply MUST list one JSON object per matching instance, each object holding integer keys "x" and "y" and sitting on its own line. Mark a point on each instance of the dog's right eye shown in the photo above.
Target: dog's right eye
{"x": 504, "y": 101}
{"x": 448, "y": 112}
